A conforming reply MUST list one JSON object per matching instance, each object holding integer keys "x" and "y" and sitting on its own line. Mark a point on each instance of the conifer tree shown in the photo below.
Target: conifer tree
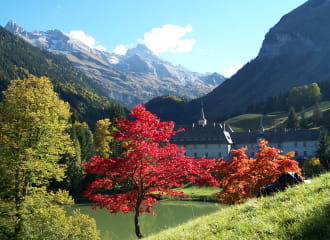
{"x": 82, "y": 138}
{"x": 303, "y": 120}
{"x": 323, "y": 152}
{"x": 85, "y": 137}
{"x": 293, "y": 121}
{"x": 317, "y": 113}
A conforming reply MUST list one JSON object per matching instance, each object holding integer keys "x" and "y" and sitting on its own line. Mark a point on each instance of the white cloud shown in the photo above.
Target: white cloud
{"x": 86, "y": 39}
{"x": 83, "y": 37}
{"x": 120, "y": 49}
{"x": 232, "y": 70}
{"x": 168, "y": 38}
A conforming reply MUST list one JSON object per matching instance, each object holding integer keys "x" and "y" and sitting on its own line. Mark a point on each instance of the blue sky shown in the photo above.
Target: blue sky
{"x": 203, "y": 36}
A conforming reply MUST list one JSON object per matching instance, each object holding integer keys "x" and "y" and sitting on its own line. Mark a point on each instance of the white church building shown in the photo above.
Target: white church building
{"x": 216, "y": 140}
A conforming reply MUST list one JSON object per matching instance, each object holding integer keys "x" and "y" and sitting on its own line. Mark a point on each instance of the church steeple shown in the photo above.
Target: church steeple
{"x": 202, "y": 121}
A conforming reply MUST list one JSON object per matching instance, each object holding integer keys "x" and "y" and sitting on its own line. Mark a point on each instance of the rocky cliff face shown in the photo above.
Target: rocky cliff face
{"x": 133, "y": 78}
{"x": 304, "y": 29}
{"x": 295, "y": 52}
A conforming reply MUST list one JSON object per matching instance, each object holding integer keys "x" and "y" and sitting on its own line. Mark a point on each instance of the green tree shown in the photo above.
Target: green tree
{"x": 317, "y": 113}
{"x": 296, "y": 97}
{"x": 82, "y": 138}
{"x": 304, "y": 96}
{"x": 103, "y": 138}
{"x": 325, "y": 121}
{"x": 74, "y": 174}
{"x": 312, "y": 167}
{"x": 303, "y": 120}
{"x": 314, "y": 94}
{"x": 33, "y": 136}
{"x": 45, "y": 220}
{"x": 292, "y": 121}
{"x": 118, "y": 112}
{"x": 323, "y": 152}
{"x": 85, "y": 137}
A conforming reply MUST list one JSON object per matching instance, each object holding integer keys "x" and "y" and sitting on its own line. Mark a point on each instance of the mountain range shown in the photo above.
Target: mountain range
{"x": 88, "y": 101}
{"x": 135, "y": 77}
{"x": 295, "y": 52}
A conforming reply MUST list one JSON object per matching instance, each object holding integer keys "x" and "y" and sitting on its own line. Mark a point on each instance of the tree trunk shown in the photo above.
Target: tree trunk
{"x": 136, "y": 222}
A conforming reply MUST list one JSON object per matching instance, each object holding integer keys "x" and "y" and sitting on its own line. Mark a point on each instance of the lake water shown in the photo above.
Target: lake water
{"x": 169, "y": 214}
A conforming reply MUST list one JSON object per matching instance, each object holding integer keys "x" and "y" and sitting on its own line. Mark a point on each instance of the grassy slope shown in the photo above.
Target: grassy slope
{"x": 245, "y": 122}
{"x": 194, "y": 193}
{"x": 252, "y": 121}
{"x": 301, "y": 212}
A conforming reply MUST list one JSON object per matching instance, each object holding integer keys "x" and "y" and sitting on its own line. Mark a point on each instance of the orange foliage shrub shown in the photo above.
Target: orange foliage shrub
{"x": 242, "y": 177}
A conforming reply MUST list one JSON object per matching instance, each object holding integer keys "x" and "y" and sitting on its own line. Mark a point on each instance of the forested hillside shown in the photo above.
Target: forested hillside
{"x": 88, "y": 102}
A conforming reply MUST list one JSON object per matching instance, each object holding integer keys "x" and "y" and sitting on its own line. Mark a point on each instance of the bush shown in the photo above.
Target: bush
{"x": 312, "y": 167}
{"x": 43, "y": 217}
{"x": 243, "y": 177}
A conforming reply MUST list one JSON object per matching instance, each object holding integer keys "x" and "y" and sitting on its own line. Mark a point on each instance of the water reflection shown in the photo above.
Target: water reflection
{"x": 169, "y": 214}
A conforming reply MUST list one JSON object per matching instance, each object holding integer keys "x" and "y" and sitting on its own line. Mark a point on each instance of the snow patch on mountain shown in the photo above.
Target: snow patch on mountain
{"x": 138, "y": 65}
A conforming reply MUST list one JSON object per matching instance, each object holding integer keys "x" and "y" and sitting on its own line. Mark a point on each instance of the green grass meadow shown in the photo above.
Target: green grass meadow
{"x": 194, "y": 193}
{"x": 277, "y": 120}
{"x": 300, "y": 212}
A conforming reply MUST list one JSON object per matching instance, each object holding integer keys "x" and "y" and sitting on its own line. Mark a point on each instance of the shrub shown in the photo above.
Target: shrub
{"x": 243, "y": 177}
{"x": 312, "y": 167}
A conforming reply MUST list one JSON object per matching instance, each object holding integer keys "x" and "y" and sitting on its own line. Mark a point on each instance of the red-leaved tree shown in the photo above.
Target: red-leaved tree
{"x": 150, "y": 167}
{"x": 243, "y": 177}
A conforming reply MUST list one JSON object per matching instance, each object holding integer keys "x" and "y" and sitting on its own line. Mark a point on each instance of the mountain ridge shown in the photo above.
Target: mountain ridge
{"x": 133, "y": 78}
{"x": 87, "y": 100}
{"x": 295, "y": 52}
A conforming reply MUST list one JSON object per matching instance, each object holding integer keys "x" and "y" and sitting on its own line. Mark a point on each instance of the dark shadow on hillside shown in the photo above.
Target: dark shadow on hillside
{"x": 315, "y": 227}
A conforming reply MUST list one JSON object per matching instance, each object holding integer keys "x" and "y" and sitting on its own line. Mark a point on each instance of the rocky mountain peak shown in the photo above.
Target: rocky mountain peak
{"x": 302, "y": 29}
{"x": 15, "y": 28}
{"x": 142, "y": 51}
{"x": 133, "y": 78}
{"x": 50, "y": 40}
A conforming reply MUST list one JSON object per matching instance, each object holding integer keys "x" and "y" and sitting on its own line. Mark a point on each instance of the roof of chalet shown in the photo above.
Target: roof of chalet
{"x": 214, "y": 134}
{"x": 275, "y": 136}
{"x": 200, "y": 134}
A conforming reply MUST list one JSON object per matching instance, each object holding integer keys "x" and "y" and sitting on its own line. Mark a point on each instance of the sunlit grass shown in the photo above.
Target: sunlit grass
{"x": 197, "y": 193}
{"x": 251, "y": 122}
{"x": 203, "y": 191}
{"x": 301, "y": 212}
